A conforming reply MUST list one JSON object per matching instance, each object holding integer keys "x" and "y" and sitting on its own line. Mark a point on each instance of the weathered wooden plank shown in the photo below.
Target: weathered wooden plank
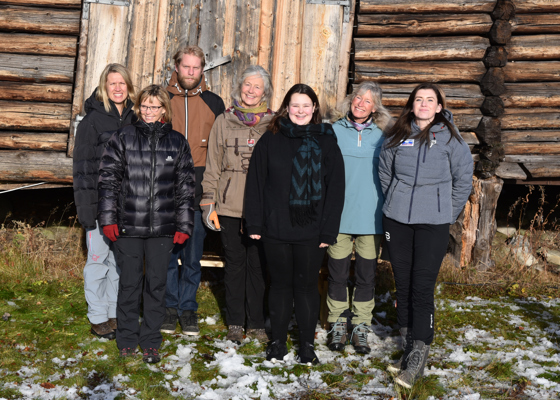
{"x": 421, "y": 49}
{"x": 266, "y": 25}
{"x": 161, "y": 41}
{"x": 531, "y": 136}
{"x": 436, "y": 6}
{"x": 534, "y": 47}
{"x": 212, "y": 36}
{"x": 522, "y": 158}
{"x": 39, "y": 20}
{"x": 287, "y": 48}
{"x": 46, "y": 3}
{"x": 535, "y": 23}
{"x": 545, "y": 94}
{"x": 526, "y": 71}
{"x": 35, "y": 166}
{"x": 21, "y": 115}
{"x": 322, "y": 28}
{"x": 33, "y": 141}
{"x": 526, "y": 119}
{"x": 108, "y": 35}
{"x": 457, "y": 95}
{"x": 543, "y": 170}
{"x": 508, "y": 170}
{"x": 25, "y": 68}
{"x": 531, "y": 148}
{"x": 536, "y": 6}
{"x": 21, "y": 43}
{"x": 423, "y": 24}
{"x": 470, "y": 138}
{"x": 413, "y": 72}
{"x": 345, "y": 54}
{"x": 465, "y": 119}
{"x": 21, "y": 91}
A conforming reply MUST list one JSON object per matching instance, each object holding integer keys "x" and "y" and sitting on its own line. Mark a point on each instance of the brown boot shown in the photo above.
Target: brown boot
{"x": 103, "y": 330}
{"x": 113, "y": 323}
{"x": 259, "y": 334}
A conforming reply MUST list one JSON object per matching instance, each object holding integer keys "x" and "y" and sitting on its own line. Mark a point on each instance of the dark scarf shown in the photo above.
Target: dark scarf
{"x": 305, "y": 189}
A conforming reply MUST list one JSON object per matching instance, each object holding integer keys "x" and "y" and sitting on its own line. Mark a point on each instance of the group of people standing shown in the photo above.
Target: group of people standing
{"x": 154, "y": 171}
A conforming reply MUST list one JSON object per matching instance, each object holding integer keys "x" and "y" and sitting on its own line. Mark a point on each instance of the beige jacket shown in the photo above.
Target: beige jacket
{"x": 229, "y": 151}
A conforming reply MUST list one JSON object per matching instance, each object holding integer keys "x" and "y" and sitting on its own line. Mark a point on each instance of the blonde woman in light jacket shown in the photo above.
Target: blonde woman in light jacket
{"x": 232, "y": 139}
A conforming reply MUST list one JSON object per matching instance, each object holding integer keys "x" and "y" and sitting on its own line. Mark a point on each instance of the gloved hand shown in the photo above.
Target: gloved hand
{"x": 111, "y": 231}
{"x": 210, "y": 217}
{"x": 180, "y": 237}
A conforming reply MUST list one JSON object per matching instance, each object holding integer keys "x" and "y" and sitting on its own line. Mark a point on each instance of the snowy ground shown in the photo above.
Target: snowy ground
{"x": 463, "y": 361}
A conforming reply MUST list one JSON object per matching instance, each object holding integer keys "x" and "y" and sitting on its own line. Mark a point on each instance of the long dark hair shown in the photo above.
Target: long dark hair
{"x": 282, "y": 112}
{"x": 401, "y": 130}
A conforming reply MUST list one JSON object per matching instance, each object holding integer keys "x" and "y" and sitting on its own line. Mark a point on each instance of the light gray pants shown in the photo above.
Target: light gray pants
{"x": 101, "y": 277}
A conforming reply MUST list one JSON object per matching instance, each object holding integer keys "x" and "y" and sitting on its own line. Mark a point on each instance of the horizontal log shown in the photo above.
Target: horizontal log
{"x": 543, "y": 170}
{"x": 32, "y": 186}
{"x": 524, "y": 119}
{"x": 422, "y": 24}
{"x": 523, "y": 158}
{"x": 510, "y": 171}
{"x": 16, "y": 67}
{"x": 435, "y": 6}
{"x": 535, "y": 24}
{"x": 21, "y": 115}
{"x": 465, "y": 119}
{"x": 413, "y": 72}
{"x": 21, "y": 43}
{"x": 35, "y": 166}
{"x": 531, "y": 136}
{"x": 46, "y": 3}
{"x": 33, "y": 141}
{"x": 546, "y": 94}
{"x": 536, "y": 6}
{"x": 525, "y": 71}
{"x": 531, "y": 148}
{"x": 39, "y": 20}
{"x": 534, "y": 47}
{"x": 421, "y": 49}
{"x": 52, "y": 93}
{"x": 470, "y": 138}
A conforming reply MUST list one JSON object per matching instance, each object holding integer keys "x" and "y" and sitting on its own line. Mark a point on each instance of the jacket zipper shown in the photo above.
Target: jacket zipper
{"x": 152, "y": 179}
{"x": 415, "y": 180}
{"x": 425, "y": 150}
{"x": 438, "y": 208}
{"x": 225, "y": 190}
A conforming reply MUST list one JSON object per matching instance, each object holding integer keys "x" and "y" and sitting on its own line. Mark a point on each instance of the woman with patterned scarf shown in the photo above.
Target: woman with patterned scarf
{"x": 359, "y": 131}
{"x": 232, "y": 140}
{"x": 294, "y": 198}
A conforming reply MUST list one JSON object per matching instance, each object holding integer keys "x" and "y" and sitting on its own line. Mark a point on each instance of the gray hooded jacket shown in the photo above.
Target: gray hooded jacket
{"x": 426, "y": 184}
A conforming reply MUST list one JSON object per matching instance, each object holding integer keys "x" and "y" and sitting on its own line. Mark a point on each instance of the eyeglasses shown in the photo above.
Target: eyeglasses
{"x": 150, "y": 108}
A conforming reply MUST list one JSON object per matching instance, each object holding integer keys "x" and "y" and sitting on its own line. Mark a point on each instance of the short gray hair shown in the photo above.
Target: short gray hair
{"x": 250, "y": 71}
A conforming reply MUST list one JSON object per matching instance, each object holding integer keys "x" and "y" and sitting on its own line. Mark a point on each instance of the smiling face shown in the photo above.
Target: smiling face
{"x": 425, "y": 107}
{"x": 116, "y": 89}
{"x": 150, "y": 111}
{"x": 362, "y": 106}
{"x": 300, "y": 109}
{"x": 252, "y": 91}
{"x": 189, "y": 71}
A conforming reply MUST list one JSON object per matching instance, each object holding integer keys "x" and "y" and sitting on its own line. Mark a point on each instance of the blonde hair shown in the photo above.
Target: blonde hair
{"x": 154, "y": 92}
{"x": 381, "y": 116}
{"x": 102, "y": 95}
{"x": 191, "y": 50}
{"x": 253, "y": 70}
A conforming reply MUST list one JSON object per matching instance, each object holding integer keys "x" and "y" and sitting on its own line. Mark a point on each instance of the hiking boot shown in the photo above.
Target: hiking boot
{"x": 406, "y": 336}
{"x": 306, "y": 354}
{"x": 338, "y": 335}
{"x": 189, "y": 323}
{"x": 259, "y": 334}
{"x": 359, "y": 339}
{"x": 127, "y": 352}
{"x": 113, "y": 323}
{"x": 235, "y": 334}
{"x": 169, "y": 321}
{"x": 151, "y": 356}
{"x": 276, "y": 351}
{"x": 103, "y": 330}
{"x": 415, "y": 363}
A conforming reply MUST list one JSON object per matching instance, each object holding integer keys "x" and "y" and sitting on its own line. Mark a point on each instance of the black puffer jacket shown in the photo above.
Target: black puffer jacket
{"x": 87, "y": 153}
{"x": 147, "y": 182}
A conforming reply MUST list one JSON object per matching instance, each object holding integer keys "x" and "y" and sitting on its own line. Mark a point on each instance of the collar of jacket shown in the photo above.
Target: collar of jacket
{"x": 157, "y": 128}
{"x": 175, "y": 88}
{"x": 346, "y": 124}
{"x": 92, "y": 104}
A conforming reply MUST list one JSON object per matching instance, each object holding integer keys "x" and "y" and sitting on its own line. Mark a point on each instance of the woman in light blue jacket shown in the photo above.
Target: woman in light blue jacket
{"x": 359, "y": 132}
{"x": 425, "y": 169}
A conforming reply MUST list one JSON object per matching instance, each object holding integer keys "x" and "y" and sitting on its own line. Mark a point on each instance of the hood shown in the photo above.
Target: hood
{"x": 92, "y": 104}
{"x": 344, "y": 122}
{"x": 157, "y": 128}
{"x": 448, "y": 115}
{"x": 174, "y": 88}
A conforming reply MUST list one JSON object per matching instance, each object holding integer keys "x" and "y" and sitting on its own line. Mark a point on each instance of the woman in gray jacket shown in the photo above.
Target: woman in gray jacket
{"x": 425, "y": 169}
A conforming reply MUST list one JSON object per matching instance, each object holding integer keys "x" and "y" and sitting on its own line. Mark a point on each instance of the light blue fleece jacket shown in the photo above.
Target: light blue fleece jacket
{"x": 363, "y": 198}
{"x": 426, "y": 184}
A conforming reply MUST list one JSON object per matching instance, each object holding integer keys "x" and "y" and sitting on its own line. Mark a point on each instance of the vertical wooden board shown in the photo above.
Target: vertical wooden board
{"x": 226, "y": 72}
{"x": 211, "y": 37}
{"x": 320, "y": 49}
{"x": 266, "y": 25}
{"x": 107, "y": 41}
{"x": 142, "y": 42}
{"x": 344, "y": 55}
{"x": 161, "y": 40}
{"x": 286, "y": 62}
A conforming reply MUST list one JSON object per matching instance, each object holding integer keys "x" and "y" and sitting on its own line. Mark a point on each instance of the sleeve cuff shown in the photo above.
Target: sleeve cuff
{"x": 327, "y": 239}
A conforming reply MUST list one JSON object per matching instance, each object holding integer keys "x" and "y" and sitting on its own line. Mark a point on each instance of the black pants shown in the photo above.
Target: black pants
{"x": 244, "y": 275}
{"x": 130, "y": 253}
{"x": 416, "y": 252}
{"x": 294, "y": 276}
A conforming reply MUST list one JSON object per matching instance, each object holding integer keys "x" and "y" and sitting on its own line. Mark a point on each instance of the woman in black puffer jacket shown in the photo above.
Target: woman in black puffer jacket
{"x": 146, "y": 194}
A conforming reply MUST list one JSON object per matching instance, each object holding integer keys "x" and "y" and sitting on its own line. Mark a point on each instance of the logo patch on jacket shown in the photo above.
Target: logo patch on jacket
{"x": 408, "y": 143}
{"x": 169, "y": 158}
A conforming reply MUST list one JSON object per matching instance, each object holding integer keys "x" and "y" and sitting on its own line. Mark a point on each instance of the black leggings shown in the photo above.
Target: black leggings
{"x": 416, "y": 252}
{"x": 294, "y": 275}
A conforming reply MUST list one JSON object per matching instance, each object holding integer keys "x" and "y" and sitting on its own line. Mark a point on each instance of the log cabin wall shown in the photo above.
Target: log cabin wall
{"x": 38, "y": 45}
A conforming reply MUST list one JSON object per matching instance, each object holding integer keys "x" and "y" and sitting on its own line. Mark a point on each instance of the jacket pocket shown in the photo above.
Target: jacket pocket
{"x": 225, "y": 191}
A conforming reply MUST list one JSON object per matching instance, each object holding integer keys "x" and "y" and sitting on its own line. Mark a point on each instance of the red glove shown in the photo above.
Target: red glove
{"x": 180, "y": 237}
{"x": 111, "y": 231}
